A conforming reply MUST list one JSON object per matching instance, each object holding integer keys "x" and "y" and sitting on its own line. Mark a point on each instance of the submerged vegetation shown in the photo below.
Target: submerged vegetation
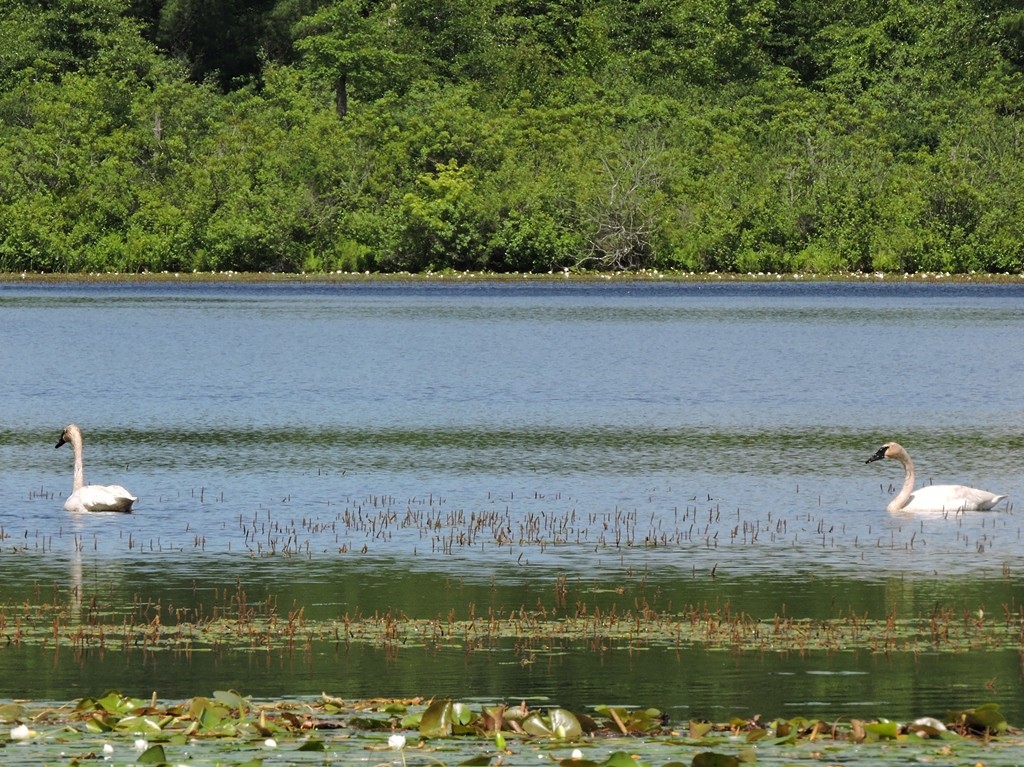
{"x": 326, "y": 135}
{"x": 240, "y": 625}
{"x": 230, "y": 729}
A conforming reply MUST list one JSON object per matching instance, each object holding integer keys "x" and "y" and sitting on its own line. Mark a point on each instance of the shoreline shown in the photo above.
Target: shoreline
{"x": 448, "y": 276}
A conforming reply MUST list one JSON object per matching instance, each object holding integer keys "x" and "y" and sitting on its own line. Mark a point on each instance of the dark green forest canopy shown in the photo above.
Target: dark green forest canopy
{"x": 511, "y": 135}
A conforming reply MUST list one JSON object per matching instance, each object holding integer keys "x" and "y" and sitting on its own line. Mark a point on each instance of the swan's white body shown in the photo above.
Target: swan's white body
{"x": 91, "y": 497}
{"x": 932, "y": 497}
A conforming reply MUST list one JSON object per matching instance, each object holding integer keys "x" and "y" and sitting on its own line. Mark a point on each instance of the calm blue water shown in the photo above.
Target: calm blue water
{"x": 215, "y": 402}
{"x": 515, "y": 432}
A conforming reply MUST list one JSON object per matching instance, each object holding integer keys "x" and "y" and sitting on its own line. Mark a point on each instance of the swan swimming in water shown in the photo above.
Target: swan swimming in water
{"x": 932, "y": 497}
{"x": 91, "y": 497}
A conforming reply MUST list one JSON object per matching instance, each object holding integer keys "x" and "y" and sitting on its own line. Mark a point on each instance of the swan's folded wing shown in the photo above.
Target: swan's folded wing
{"x": 982, "y": 500}
{"x": 106, "y": 498}
{"x": 952, "y": 498}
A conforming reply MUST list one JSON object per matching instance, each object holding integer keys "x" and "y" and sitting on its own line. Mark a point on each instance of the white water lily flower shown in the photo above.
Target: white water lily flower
{"x": 21, "y": 732}
{"x": 141, "y": 744}
{"x": 397, "y": 742}
{"x": 108, "y": 749}
{"x": 270, "y": 743}
{"x": 577, "y": 754}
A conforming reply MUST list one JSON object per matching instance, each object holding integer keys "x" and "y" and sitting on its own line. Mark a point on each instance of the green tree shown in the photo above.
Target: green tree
{"x": 351, "y": 45}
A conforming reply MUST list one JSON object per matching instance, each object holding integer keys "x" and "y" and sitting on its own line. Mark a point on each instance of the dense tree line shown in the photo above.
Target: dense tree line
{"x": 511, "y": 135}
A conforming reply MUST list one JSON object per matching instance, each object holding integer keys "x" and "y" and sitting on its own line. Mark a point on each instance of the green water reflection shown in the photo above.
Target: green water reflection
{"x": 689, "y": 680}
{"x": 686, "y": 683}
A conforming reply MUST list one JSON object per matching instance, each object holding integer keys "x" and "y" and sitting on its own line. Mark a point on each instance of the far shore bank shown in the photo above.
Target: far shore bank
{"x": 650, "y": 275}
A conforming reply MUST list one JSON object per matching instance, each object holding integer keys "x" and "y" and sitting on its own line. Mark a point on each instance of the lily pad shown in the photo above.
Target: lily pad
{"x": 621, "y": 759}
{"x": 11, "y": 712}
{"x": 883, "y": 729}
{"x": 436, "y": 721}
{"x": 986, "y": 718}
{"x": 559, "y": 723}
{"x": 712, "y": 759}
{"x": 153, "y": 755}
{"x": 232, "y": 700}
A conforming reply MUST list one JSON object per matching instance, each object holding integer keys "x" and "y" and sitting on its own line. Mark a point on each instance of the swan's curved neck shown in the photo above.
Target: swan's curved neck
{"x": 79, "y": 476}
{"x": 909, "y": 479}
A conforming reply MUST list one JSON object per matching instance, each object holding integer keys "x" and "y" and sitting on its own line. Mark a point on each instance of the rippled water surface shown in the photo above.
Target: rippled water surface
{"x": 423, "y": 447}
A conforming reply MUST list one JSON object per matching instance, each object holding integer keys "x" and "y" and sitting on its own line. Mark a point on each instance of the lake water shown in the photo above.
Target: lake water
{"x": 432, "y": 448}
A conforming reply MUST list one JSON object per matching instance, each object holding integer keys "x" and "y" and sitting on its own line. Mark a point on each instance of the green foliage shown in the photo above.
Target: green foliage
{"x": 350, "y": 46}
{"x": 324, "y": 135}
{"x": 223, "y": 729}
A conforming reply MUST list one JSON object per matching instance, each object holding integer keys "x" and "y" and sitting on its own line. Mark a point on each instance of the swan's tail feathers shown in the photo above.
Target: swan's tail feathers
{"x": 995, "y": 501}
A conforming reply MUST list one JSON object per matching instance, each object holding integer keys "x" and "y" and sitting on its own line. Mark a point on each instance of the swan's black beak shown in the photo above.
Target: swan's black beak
{"x": 877, "y": 456}
{"x": 61, "y": 441}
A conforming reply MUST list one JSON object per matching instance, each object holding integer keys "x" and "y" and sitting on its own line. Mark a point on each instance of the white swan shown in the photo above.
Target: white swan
{"x": 932, "y": 497}
{"x": 91, "y": 497}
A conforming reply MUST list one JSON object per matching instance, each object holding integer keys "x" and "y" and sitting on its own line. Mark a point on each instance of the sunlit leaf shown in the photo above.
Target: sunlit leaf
{"x": 152, "y": 755}
{"x": 85, "y": 704}
{"x": 114, "y": 703}
{"x": 558, "y": 723}
{"x": 210, "y": 718}
{"x": 643, "y": 719}
{"x": 462, "y": 714}
{"x": 97, "y": 724}
{"x": 197, "y": 705}
{"x": 700, "y": 729}
{"x": 436, "y": 721}
{"x": 535, "y": 724}
{"x": 231, "y": 699}
{"x": 883, "y": 729}
{"x": 410, "y": 721}
{"x": 987, "y": 717}
{"x": 564, "y": 724}
{"x": 141, "y": 725}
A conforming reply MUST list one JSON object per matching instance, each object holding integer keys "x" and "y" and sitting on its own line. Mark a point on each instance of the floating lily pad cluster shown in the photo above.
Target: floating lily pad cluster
{"x": 229, "y": 729}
